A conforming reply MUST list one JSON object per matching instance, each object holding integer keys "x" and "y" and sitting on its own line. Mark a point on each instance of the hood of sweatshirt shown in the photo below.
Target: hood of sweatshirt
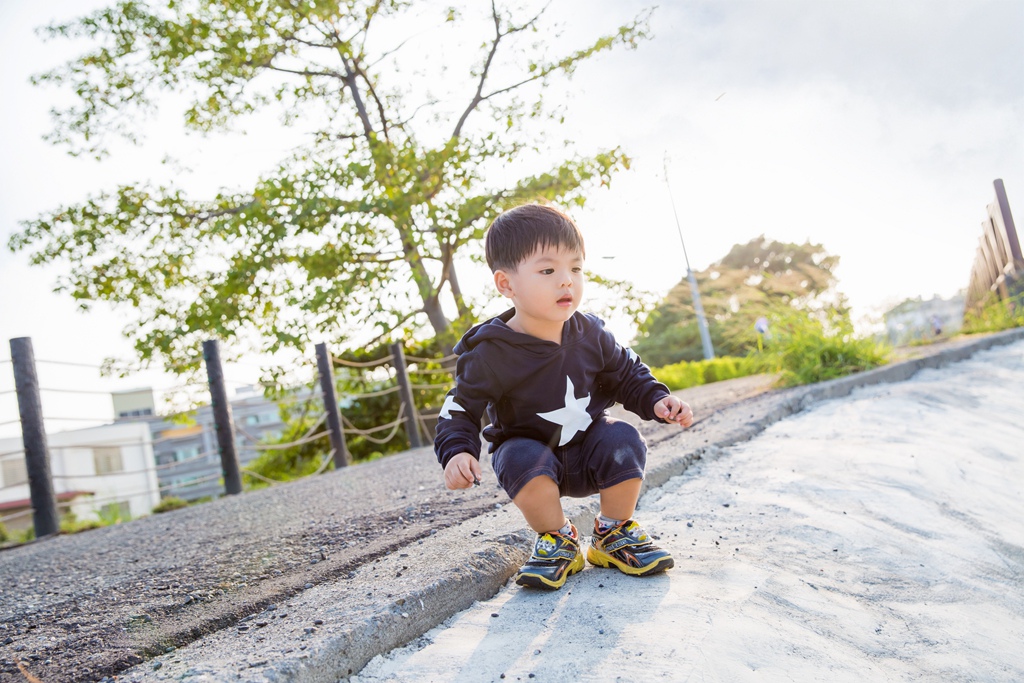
{"x": 497, "y": 330}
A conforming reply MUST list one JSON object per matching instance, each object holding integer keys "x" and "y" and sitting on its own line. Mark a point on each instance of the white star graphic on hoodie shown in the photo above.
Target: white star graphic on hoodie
{"x": 573, "y": 417}
{"x": 449, "y": 406}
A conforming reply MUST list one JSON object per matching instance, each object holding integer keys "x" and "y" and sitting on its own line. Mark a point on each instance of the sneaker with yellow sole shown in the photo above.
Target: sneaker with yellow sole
{"x": 628, "y": 548}
{"x": 555, "y": 558}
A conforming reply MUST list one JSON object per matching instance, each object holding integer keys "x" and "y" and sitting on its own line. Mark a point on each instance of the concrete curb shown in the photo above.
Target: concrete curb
{"x": 460, "y": 565}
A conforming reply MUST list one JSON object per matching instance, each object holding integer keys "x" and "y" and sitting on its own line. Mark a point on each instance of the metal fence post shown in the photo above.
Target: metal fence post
{"x": 405, "y": 391}
{"x": 224, "y": 424}
{"x": 33, "y": 436}
{"x": 325, "y": 366}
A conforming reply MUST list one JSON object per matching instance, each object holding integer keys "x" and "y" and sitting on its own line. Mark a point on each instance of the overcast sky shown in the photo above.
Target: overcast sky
{"x": 874, "y": 128}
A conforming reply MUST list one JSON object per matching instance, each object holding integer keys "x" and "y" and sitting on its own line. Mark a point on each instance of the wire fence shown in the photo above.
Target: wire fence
{"x": 186, "y": 454}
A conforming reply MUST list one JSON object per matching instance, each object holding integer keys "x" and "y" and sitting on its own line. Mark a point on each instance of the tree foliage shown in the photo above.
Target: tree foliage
{"x": 735, "y": 291}
{"x": 357, "y": 233}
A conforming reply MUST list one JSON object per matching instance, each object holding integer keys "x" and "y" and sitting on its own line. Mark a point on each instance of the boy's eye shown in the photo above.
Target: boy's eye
{"x": 577, "y": 269}
{"x": 548, "y": 271}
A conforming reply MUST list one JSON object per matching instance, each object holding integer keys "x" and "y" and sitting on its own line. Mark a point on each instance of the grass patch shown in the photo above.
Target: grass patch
{"x": 808, "y": 347}
{"x": 996, "y": 315}
{"x": 170, "y": 503}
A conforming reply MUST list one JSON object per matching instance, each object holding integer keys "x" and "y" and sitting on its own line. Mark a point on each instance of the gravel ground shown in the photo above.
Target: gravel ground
{"x": 91, "y": 605}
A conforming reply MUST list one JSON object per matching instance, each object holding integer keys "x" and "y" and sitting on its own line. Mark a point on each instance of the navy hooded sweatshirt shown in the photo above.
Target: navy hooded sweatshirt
{"x": 533, "y": 388}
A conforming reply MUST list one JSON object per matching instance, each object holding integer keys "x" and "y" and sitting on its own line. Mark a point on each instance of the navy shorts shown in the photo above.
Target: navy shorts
{"x": 611, "y": 452}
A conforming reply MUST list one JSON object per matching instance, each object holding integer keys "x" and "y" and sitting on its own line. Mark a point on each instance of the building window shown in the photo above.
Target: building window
{"x": 142, "y": 412}
{"x": 14, "y": 472}
{"x": 107, "y": 460}
{"x": 262, "y": 418}
{"x": 178, "y": 455}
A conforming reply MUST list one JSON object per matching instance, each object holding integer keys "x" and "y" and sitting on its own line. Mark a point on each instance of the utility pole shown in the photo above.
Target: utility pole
{"x": 223, "y": 422}
{"x": 702, "y": 321}
{"x": 33, "y": 436}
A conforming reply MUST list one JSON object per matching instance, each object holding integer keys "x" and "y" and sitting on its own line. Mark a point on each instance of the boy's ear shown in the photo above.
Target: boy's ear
{"x": 502, "y": 283}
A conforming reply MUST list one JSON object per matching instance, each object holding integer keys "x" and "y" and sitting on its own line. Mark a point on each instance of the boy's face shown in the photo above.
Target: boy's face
{"x": 547, "y": 287}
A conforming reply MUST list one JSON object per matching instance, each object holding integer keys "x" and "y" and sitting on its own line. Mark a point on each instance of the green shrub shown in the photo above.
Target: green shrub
{"x": 70, "y": 524}
{"x": 112, "y": 514}
{"x": 807, "y": 347}
{"x": 995, "y": 315}
{"x": 680, "y": 375}
{"x": 695, "y": 373}
{"x": 170, "y": 503}
{"x": 4, "y": 534}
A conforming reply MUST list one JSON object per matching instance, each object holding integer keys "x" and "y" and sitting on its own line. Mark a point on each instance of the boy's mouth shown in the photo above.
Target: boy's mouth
{"x": 565, "y": 300}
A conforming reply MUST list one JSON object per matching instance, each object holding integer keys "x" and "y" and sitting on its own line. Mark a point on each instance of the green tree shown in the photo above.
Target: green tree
{"x": 741, "y": 287}
{"x": 355, "y": 234}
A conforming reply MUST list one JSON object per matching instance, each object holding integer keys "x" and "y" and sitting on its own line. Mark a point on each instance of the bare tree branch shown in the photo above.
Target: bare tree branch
{"x": 483, "y": 73}
{"x": 357, "y": 98}
{"x": 498, "y": 35}
{"x": 373, "y": 94}
{"x": 385, "y": 55}
{"x": 305, "y": 72}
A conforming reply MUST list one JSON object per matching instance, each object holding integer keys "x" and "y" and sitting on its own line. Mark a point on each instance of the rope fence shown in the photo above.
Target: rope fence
{"x": 364, "y": 364}
{"x": 365, "y": 433}
{"x": 218, "y": 434}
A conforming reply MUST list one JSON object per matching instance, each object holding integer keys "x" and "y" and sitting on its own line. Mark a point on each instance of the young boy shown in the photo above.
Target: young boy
{"x": 545, "y": 376}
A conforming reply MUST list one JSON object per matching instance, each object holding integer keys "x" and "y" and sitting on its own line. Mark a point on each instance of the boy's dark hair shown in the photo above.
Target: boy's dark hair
{"x": 517, "y": 233}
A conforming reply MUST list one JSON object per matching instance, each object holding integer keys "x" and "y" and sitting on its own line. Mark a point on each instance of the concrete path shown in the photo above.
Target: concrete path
{"x": 877, "y": 537}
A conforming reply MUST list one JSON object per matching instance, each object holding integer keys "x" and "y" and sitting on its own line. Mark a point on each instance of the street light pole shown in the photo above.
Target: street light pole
{"x": 702, "y": 322}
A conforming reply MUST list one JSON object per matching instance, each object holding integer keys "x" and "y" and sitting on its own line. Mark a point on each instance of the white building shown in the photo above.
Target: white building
{"x": 106, "y": 471}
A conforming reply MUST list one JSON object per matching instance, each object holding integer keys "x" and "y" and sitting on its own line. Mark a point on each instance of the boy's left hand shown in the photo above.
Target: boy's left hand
{"x": 671, "y": 409}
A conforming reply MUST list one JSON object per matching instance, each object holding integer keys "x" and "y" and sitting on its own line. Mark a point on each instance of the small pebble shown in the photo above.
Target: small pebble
{"x": 157, "y": 665}
{"x": 494, "y": 614}
{"x": 318, "y": 622}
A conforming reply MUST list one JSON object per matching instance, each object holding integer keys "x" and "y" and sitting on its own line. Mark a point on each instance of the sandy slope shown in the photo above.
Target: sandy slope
{"x": 876, "y": 537}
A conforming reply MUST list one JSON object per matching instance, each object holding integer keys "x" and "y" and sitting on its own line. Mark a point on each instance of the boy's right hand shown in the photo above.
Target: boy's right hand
{"x": 461, "y": 471}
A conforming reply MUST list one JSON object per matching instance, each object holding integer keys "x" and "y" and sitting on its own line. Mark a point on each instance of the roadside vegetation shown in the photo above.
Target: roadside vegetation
{"x": 995, "y": 316}
{"x": 804, "y": 347}
{"x": 808, "y": 347}
{"x": 790, "y": 289}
